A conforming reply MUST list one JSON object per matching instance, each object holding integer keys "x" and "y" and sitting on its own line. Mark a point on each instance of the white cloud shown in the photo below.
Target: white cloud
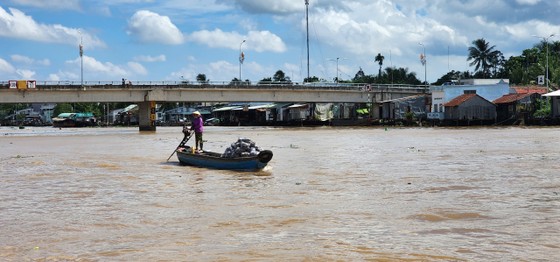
{"x": 22, "y": 59}
{"x": 150, "y": 27}
{"x": 528, "y": 2}
{"x": 147, "y": 58}
{"x": 214, "y": 71}
{"x": 25, "y": 74}
{"x": 219, "y": 69}
{"x": 51, "y": 4}
{"x": 6, "y": 67}
{"x": 260, "y": 41}
{"x": 137, "y": 68}
{"x": 273, "y": 7}
{"x": 30, "y": 61}
{"x": 53, "y": 77}
{"x": 64, "y": 76}
{"x": 18, "y": 25}
{"x": 528, "y": 29}
{"x": 100, "y": 70}
{"x": 94, "y": 67}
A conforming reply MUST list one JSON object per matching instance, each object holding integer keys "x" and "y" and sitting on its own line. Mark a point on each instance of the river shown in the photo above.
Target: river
{"x": 329, "y": 194}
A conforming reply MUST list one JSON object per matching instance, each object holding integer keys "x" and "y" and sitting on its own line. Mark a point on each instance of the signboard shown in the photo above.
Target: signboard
{"x": 22, "y": 84}
{"x": 540, "y": 80}
{"x": 153, "y": 117}
{"x": 435, "y": 115}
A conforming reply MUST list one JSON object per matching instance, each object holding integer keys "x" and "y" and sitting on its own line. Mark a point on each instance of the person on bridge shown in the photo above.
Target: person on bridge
{"x": 198, "y": 128}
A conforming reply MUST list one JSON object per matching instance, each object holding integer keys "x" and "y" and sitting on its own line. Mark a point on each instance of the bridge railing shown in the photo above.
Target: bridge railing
{"x": 224, "y": 84}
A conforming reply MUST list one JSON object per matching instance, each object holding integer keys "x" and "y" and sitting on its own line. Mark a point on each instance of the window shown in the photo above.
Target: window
{"x": 469, "y": 92}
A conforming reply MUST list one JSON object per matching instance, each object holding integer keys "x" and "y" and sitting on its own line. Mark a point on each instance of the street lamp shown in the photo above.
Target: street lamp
{"x": 424, "y": 63}
{"x": 241, "y": 58}
{"x": 337, "y": 66}
{"x": 81, "y": 60}
{"x": 545, "y": 39}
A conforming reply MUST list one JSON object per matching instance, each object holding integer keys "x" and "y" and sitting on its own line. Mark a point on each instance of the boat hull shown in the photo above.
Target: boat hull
{"x": 215, "y": 161}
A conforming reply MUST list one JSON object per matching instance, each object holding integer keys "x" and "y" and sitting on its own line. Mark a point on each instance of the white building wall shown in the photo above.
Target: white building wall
{"x": 444, "y": 94}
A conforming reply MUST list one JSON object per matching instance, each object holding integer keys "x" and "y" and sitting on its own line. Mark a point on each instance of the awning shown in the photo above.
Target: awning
{"x": 262, "y": 106}
{"x": 265, "y": 106}
{"x": 298, "y": 105}
{"x": 227, "y": 108}
{"x": 555, "y": 93}
{"x": 362, "y": 111}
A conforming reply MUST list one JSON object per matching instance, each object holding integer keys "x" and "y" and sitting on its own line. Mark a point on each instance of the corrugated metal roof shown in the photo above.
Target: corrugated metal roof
{"x": 65, "y": 115}
{"x": 510, "y": 98}
{"x": 459, "y": 100}
{"x": 402, "y": 99}
{"x": 264, "y": 106}
{"x": 530, "y": 89}
{"x": 227, "y": 108}
{"x": 298, "y": 105}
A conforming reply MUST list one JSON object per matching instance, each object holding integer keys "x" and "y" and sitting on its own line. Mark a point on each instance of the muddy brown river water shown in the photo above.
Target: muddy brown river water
{"x": 345, "y": 194}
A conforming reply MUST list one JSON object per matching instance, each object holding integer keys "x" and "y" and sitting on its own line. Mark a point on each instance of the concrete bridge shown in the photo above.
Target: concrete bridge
{"x": 147, "y": 94}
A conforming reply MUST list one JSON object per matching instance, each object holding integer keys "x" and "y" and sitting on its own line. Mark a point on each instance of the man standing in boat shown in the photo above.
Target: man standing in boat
{"x": 198, "y": 128}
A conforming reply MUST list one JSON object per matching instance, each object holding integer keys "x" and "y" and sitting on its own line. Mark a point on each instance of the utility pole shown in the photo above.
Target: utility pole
{"x": 425, "y": 63}
{"x": 307, "y": 30}
{"x": 81, "y": 60}
{"x": 545, "y": 39}
{"x": 241, "y": 59}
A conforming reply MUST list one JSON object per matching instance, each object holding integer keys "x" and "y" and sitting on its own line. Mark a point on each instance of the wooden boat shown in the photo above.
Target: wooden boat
{"x": 207, "y": 159}
{"x": 74, "y": 120}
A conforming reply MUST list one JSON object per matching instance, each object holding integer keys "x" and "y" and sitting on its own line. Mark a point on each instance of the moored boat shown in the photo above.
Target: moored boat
{"x": 188, "y": 156}
{"x": 74, "y": 120}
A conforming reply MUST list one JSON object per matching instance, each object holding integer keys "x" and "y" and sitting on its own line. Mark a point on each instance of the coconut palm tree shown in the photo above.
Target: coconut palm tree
{"x": 483, "y": 56}
{"x": 379, "y": 59}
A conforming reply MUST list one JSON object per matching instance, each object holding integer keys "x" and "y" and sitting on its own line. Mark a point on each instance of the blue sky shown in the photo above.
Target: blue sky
{"x": 151, "y": 40}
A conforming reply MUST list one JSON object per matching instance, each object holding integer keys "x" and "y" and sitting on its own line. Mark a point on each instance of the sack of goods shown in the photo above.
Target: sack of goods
{"x": 244, "y": 147}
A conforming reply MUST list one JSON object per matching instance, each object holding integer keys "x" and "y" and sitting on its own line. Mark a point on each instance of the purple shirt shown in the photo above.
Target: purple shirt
{"x": 197, "y": 124}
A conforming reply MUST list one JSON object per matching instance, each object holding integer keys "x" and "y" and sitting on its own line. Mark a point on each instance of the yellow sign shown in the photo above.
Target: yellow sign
{"x": 22, "y": 84}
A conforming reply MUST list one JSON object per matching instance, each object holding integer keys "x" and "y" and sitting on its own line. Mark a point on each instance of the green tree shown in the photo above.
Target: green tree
{"x": 391, "y": 75}
{"x": 62, "y": 108}
{"x": 266, "y": 80}
{"x": 201, "y": 78}
{"x": 453, "y": 76}
{"x": 311, "y": 79}
{"x": 543, "y": 108}
{"x": 361, "y": 77}
{"x": 379, "y": 59}
{"x": 280, "y": 76}
{"x": 483, "y": 56}
{"x": 236, "y": 82}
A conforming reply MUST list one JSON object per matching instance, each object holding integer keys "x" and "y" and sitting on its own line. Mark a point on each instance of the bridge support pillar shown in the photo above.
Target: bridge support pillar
{"x": 147, "y": 116}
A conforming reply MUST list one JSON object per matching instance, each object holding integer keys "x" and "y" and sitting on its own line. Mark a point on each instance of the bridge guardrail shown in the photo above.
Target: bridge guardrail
{"x": 365, "y": 87}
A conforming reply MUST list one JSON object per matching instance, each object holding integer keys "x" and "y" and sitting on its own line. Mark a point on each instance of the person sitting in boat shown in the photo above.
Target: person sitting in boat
{"x": 198, "y": 127}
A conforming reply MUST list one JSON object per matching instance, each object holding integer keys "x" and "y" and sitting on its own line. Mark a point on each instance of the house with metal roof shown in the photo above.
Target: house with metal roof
{"x": 518, "y": 107}
{"x": 489, "y": 89}
{"x": 554, "y": 104}
{"x": 397, "y": 109}
{"x": 470, "y": 107}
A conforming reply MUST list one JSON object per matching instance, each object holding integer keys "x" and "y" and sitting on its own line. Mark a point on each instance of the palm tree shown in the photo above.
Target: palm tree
{"x": 483, "y": 56}
{"x": 379, "y": 59}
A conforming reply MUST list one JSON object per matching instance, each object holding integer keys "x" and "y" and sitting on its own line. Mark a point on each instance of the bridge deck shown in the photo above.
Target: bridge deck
{"x": 57, "y": 92}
